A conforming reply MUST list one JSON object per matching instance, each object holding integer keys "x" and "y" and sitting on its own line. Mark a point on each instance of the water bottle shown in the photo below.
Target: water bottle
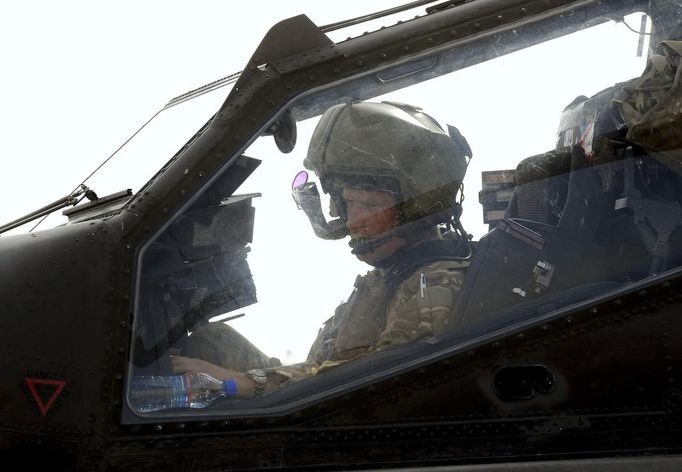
{"x": 160, "y": 392}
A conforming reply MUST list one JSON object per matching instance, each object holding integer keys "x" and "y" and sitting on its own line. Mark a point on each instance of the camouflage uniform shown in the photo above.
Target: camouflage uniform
{"x": 651, "y": 106}
{"x": 378, "y": 315}
{"x": 420, "y": 306}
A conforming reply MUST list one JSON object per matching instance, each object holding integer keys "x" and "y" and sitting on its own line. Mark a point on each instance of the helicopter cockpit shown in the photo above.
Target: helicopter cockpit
{"x": 579, "y": 202}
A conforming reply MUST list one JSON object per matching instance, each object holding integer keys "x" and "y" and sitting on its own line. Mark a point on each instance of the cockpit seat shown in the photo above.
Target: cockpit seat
{"x": 545, "y": 245}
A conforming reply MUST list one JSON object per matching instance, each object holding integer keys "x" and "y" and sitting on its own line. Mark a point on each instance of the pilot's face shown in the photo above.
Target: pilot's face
{"x": 371, "y": 213}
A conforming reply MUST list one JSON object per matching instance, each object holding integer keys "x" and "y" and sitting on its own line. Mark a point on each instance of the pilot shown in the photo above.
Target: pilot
{"x": 394, "y": 177}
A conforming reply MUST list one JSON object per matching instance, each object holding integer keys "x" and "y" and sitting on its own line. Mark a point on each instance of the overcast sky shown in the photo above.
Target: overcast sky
{"x": 79, "y": 77}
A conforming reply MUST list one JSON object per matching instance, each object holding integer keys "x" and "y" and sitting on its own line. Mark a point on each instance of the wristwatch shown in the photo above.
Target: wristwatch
{"x": 260, "y": 378}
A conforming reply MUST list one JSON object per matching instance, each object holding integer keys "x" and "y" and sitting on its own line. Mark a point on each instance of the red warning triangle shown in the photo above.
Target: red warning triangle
{"x": 43, "y": 389}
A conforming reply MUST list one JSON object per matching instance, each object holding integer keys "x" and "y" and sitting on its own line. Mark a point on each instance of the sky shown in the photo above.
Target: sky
{"x": 80, "y": 77}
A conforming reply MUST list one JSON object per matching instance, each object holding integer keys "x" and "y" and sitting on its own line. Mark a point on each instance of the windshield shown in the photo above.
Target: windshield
{"x": 138, "y": 154}
{"x": 444, "y": 210}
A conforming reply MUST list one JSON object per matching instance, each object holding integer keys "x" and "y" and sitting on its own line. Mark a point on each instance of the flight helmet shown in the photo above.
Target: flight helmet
{"x": 390, "y": 147}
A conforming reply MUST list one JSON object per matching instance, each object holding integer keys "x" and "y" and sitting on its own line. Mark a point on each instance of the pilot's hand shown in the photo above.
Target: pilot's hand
{"x": 191, "y": 365}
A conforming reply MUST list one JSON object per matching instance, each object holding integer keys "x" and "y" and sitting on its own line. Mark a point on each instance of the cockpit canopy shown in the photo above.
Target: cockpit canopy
{"x": 573, "y": 193}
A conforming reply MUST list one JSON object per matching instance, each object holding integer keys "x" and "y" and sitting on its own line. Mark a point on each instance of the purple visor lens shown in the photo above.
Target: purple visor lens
{"x": 300, "y": 179}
